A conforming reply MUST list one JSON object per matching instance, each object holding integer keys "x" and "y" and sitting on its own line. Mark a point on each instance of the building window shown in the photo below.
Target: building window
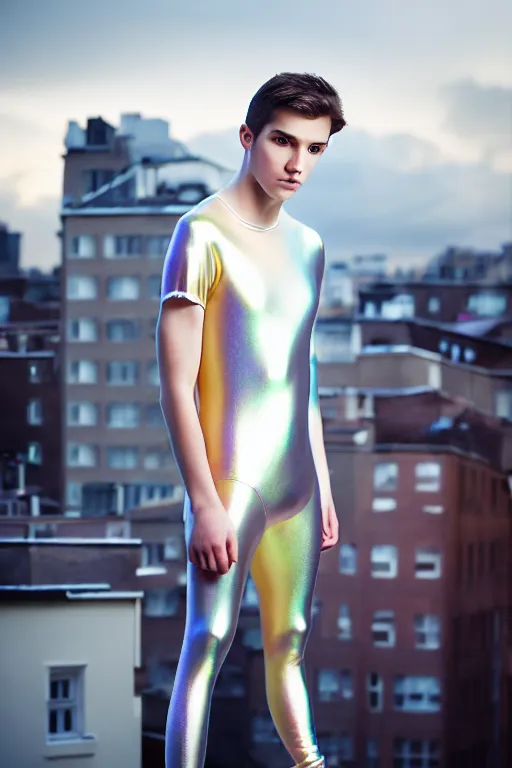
{"x": 152, "y": 553}
{"x": 154, "y": 415}
{"x": 503, "y": 404}
{"x": 344, "y": 623}
{"x": 348, "y": 559}
{"x": 372, "y": 754}
{"x": 82, "y": 329}
{"x": 122, "y": 246}
{"x": 172, "y": 548}
{"x": 346, "y": 684}
{"x": 383, "y": 629}
{"x": 427, "y": 564}
{"x": 434, "y": 305}
{"x": 329, "y": 685}
{"x": 82, "y": 372}
{"x": 253, "y": 639}
{"x": 427, "y": 632}
{"x": 154, "y": 283}
{"x": 81, "y": 287}
{"x": 153, "y": 375}
{"x": 487, "y": 304}
{"x": 82, "y": 414}
{"x": 416, "y": 754}
{"x": 123, "y": 458}
{"x": 417, "y": 694}
{"x": 383, "y": 505}
{"x": 123, "y": 415}
{"x": 122, "y": 330}
{"x": 34, "y": 453}
{"x": 157, "y": 246}
{"x": 469, "y": 355}
{"x": 375, "y": 691}
{"x": 65, "y": 703}
{"x": 123, "y": 288}
{"x": 35, "y": 412}
{"x": 161, "y": 602}
{"x": 38, "y": 371}
{"x": 81, "y": 455}
{"x": 384, "y": 562}
{"x": 74, "y": 494}
{"x": 428, "y": 476}
{"x": 263, "y": 730}
{"x": 122, "y": 373}
{"x": 385, "y": 476}
{"x": 157, "y": 459}
{"x": 82, "y": 247}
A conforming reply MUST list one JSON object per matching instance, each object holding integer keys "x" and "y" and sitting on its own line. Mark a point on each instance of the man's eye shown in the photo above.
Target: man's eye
{"x": 316, "y": 149}
{"x": 281, "y": 138}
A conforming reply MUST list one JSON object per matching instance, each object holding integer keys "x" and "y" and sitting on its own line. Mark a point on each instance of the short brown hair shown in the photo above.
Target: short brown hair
{"x": 308, "y": 94}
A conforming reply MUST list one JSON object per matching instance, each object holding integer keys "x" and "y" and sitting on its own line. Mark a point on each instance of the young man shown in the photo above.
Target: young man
{"x": 240, "y": 293}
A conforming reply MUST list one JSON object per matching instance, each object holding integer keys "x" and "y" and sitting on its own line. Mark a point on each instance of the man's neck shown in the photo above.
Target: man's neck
{"x": 250, "y": 201}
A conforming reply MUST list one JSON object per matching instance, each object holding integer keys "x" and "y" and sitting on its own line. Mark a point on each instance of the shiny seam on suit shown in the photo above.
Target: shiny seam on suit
{"x": 256, "y": 387}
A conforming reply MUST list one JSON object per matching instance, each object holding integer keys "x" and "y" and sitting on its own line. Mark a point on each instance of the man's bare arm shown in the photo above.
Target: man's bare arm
{"x": 213, "y": 545}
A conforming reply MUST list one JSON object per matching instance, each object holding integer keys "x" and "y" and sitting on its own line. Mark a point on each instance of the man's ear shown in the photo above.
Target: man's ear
{"x": 246, "y": 136}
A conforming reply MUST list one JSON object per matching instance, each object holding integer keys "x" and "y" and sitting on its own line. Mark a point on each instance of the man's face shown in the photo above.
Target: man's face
{"x": 287, "y": 148}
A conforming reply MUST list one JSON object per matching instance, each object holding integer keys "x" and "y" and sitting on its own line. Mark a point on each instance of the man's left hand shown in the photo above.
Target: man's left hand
{"x": 330, "y": 525}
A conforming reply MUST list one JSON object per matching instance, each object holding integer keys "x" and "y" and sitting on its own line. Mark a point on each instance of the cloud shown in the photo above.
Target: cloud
{"x": 480, "y": 115}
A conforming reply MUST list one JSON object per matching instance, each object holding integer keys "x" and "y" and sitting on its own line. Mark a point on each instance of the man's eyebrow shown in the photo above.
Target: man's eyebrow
{"x": 293, "y": 138}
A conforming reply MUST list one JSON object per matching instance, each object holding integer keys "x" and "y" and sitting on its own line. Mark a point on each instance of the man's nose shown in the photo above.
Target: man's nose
{"x": 296, "y": 162}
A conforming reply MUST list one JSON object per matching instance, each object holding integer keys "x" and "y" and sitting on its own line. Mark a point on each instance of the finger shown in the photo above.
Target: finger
{"x": 221, "y": 559}
{"x": 210, "y": 559}
{"x": 202, "y": 561}
{"x": 232, "y": 547}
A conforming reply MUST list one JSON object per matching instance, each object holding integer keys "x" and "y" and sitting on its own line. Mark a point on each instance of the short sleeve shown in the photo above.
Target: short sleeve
{"x": 189, "y": 268}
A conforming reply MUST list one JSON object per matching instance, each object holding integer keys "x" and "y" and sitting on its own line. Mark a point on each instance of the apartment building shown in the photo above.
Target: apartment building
{"x": 407, "y": 660}
{"x": 70, "y": 651}
{"x": 124, "y": 191}
{"x": 30, "y": 395}
{"x": 444, "y": 301}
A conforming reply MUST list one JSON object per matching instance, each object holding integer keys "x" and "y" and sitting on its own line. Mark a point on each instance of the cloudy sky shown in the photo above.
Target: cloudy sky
{"x": 425, "y": 160}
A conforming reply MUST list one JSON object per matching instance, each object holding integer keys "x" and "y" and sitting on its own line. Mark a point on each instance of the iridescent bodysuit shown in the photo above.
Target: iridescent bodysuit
{"x": 256, "y": 388}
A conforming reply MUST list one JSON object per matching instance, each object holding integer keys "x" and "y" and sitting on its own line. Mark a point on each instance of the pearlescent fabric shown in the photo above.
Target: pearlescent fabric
{"x": 256, "y": 389}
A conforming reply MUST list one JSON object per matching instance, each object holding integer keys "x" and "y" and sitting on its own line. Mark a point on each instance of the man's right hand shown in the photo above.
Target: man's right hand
{"x": 213, "y": 544}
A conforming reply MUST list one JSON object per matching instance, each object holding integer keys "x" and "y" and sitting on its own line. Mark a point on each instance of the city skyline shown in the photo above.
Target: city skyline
{"x": 423, "y": 163}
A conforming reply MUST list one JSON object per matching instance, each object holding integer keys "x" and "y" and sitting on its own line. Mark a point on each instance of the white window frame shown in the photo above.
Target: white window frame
{"x": 375, "y": 687}
{"x": 35, "y": 412}
{"x": 123, "y": 450}
{"x": 427, "y": 556}
{"x": 82, "y": 247}
{"x": 427, "y": 632}
{"x": 74, "y": 494}
{"x": 122, "y": 373}
{"x": 73, "y": 677}
{"x": 344, "y": 622}
{"x": 427, "y": 476}
{"x": 87, "y": 330}
{"x": 123, "y": 415}
{"x": 348, "y": 552}
{"x": 384, "y": 553}
{"x": 328, "y": 685}
{"x": 34, "y": 453}
{"x": 419, "y": 694}
{"x": 81, "y": 451}
{"x": 76, "y": 372}
{"x": 405, "y": 752}
{"x": 81, "y": 288}
{"x": 123, "y": 288}
{"x": 82, "y": 414}
{"x": 385, "y": 476}
{"x": 384, "y": 621}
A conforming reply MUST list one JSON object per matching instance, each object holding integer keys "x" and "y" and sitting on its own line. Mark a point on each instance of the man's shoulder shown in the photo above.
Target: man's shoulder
{"x": 310, "y": 236}
{"x": 200, "y": 219}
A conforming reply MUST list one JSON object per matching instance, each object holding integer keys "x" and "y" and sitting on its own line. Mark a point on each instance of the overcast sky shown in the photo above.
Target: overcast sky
{"x": 425, "y": 160}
